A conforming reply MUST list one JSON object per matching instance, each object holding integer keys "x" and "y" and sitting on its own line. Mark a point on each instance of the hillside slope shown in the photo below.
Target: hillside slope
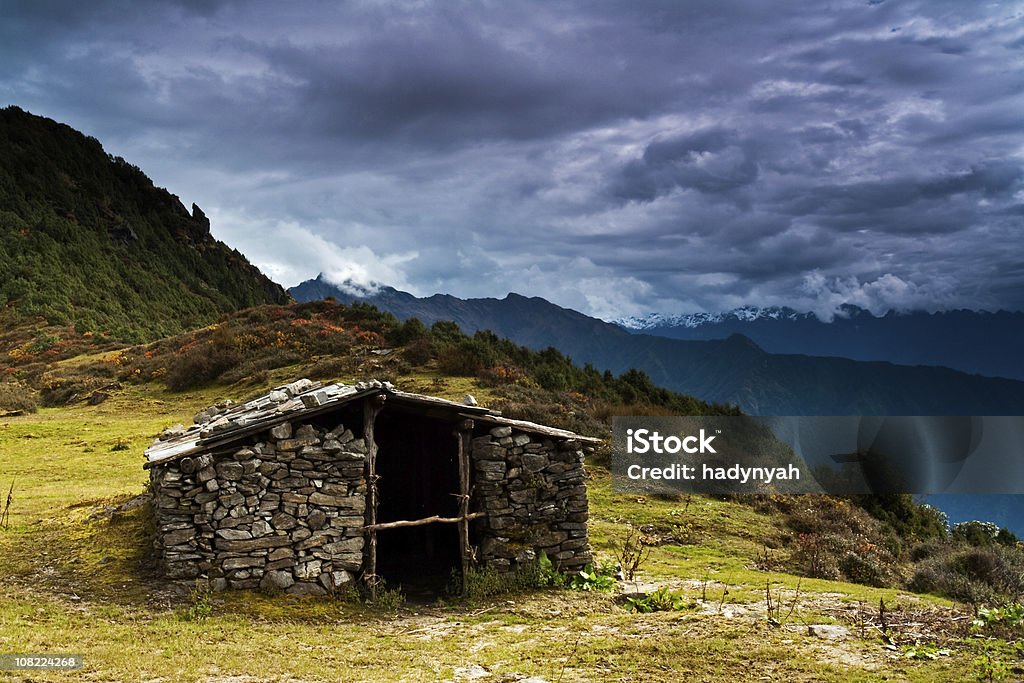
{"x": 86, "y": 239}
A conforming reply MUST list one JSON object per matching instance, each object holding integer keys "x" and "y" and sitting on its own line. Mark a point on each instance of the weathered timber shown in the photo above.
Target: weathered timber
{"x": 420, "y": 522}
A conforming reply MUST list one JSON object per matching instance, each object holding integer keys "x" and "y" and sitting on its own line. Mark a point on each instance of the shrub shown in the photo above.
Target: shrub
{"x": 661, "y": 600}
{"x": 420, "y": 351}
{"x": 327, "y": 368}
{"x": 15, "y": 396}
{"x": 865, "y": 569}
{"x": 257, "y": 367}
{"x": 837, "y": 539}
{"x": 975, "y": 533}
{"x": 976, "y": 576}
{"x": 389, "y": 599}
{"x": 590, "y": 579}
{"x": 59, "y": 391}
{"x": 200, "y": 602}
{"x": 466, "y": 358}
{"x": 199, "y": 365}
{"x": 409, "y": 331}
{"x": 484, "y": 582}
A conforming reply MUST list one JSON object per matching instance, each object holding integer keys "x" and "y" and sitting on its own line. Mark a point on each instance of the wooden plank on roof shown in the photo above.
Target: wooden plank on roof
{"x": 534, "y": 428}
{"x": 440, "y": 402}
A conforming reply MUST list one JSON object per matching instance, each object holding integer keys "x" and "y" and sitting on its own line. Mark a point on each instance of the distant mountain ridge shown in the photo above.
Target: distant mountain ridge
{"x": 87, "y": 240}
{"x": 694, "y": 320}
{"x": 977, "y": 342}
{"x": 734, "y": 370}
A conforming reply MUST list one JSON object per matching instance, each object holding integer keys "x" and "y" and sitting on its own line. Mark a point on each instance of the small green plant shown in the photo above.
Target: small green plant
{"x": 200, "y": 599}
{"x": 120, "y": 445}
{"x": 484, "y": 582}
{"x": 348, "y": 592}
{"x": 1010, "y": 616}
{"x": 661, "y": 600}
{"x": 987, "y": 666}
{"x": 547, "y": 575}
{"x": 589, "y": 579}
{"x": 389, "y": 599}
{"x": 926, "y": 651}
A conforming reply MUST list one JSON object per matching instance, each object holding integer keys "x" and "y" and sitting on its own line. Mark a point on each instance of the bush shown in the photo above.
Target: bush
{"x": 328, "y": 368}
{"x": 59, "y": 391}
{"x": 199, "y": 365}
{"x": 466, "y": 358}
{"x": 975, "y": 533}
{"x": 907, "y": 517}
{"x": 16, "y": 397}
{"x": 409, "y": 331}
{"x": 837, "y": 539}
{"x": 867, "y": 570}
{"x": 661, "y": 600}
{"x": 484, "y": 582}
{"x": 976, "y": 576}
{"x": 420, "y": 351}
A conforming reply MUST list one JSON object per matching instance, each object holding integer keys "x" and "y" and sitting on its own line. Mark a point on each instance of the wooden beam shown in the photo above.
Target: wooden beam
{"x": 371, "y": 406}
{"x": 421, "y": 522}
{"x": 464, "y": 434}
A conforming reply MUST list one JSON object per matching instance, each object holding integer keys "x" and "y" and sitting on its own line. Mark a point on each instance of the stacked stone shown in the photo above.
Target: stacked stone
{"x": 285, "y": 512}
{"x": 533, "y": 490}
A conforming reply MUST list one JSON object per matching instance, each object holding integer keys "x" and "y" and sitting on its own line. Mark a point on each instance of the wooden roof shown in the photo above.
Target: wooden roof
{"x": 226, "y": 423}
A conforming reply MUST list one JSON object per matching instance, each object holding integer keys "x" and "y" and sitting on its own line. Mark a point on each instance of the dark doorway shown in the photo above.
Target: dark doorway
{"x": 417, "y": 462}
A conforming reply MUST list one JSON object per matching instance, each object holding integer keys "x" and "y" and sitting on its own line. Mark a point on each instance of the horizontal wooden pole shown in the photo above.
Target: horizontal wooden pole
{"x": 421, "y": 522}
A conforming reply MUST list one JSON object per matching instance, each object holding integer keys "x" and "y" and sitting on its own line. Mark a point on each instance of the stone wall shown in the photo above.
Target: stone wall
{"x": 534, "y": 491}
{"x": 284, "y": 512}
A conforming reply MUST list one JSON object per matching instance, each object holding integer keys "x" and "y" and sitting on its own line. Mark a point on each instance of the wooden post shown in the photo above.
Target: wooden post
{"x": 371, "y": 407}
{"x": 464, "y": 434}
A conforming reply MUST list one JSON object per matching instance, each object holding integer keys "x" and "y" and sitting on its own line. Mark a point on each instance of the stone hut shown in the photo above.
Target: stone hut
{"x": 311, "y": 487}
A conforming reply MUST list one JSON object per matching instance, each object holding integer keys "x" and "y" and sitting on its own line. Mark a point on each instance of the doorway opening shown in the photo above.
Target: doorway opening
{"x": 418, "y": 469}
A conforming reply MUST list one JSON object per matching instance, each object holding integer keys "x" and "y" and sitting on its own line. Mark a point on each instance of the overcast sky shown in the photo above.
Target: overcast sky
{"x": 614, "y": 157}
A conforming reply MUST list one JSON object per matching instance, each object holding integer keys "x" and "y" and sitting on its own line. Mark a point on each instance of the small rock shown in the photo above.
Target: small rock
{"x": 473, "y": 672}
{"x": 828, "y": 631}
{"x": 277, "y": 579}
{"x": 281, "y": 431}
{"x": 305, "y": 588}
{"x": 316, "y": 519}
{"x": 283, "y": 521}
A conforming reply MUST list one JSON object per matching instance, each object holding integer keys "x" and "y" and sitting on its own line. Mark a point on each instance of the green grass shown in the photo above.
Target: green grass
{"x": 77, "y": 581}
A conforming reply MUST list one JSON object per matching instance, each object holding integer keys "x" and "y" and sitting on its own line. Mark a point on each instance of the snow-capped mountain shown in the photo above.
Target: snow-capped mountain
{"x": 695, "y": 320}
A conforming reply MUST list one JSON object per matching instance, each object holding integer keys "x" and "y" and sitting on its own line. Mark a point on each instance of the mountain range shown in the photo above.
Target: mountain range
{"x": 977, "y": 342}
{"x": 732, "y": 370}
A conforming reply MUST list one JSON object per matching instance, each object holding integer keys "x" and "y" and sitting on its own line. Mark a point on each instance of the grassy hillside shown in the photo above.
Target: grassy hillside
{"x": 87, "y": 241}
{"x": 323, "y": 339}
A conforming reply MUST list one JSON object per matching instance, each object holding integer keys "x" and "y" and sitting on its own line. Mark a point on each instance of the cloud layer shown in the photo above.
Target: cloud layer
{"x": 614, "y": 157}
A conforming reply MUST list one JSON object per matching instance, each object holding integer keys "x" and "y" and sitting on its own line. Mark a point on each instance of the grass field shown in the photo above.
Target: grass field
{"x": 77, "y": 579}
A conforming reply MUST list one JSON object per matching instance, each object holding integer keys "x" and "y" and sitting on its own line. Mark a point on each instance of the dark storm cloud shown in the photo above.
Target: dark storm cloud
{"x": 615, "y": 157}
{"x": 711, "y": 161}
